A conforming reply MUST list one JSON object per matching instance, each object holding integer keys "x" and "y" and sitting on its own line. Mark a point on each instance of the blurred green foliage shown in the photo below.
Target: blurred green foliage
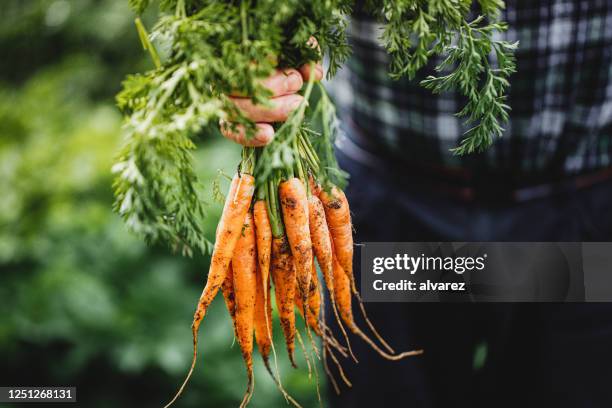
{"x": 85, "y": 303}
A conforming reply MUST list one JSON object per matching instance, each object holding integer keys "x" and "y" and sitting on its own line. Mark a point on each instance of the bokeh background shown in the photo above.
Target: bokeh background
{"x": 82, "y": 301}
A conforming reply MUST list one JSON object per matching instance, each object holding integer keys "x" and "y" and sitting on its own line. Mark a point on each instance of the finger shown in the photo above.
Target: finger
{"x": 263, "y": 135}
{"x": 278, "y": 111}
{"x": 313, "y": 43}
{"x": 318, "y": 72}
{"x": 282, "y": 82}
{"x": 318, "y": 69}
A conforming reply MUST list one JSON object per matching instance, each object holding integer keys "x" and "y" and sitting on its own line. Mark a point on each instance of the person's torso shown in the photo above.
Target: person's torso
{"x": 561, "y": 95}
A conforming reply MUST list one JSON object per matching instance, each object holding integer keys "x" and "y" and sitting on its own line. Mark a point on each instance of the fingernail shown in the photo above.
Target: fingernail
{"x": 264, "y": 137}
{"x": 263, "y": 140}
{"x": 295, "y": 104}
{"x": 294, "y": 81}
{"x": 320, "y": 73}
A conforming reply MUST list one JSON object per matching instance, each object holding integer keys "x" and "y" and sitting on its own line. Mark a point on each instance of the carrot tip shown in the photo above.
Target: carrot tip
{"x": 292, "y": 360}
{"x": 266, "y": 362}
{"x": 250, "y": 388}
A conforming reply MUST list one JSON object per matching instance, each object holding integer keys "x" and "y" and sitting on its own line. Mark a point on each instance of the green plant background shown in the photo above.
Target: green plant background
{"x": 82, "y": 301}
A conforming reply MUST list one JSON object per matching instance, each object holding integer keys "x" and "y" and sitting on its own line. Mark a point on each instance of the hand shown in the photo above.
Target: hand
{"x": 284, "y": 86}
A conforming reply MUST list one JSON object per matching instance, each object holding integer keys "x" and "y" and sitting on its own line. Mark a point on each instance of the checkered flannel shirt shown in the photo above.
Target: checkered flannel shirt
{"x": 561, "y": 95}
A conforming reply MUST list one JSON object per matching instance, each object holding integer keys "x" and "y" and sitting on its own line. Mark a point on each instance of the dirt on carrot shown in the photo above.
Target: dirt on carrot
{"x": 284, "y": 276}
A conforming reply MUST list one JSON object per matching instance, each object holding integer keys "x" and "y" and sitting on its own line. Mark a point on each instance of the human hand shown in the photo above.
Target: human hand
{"x": 284, "y": 85}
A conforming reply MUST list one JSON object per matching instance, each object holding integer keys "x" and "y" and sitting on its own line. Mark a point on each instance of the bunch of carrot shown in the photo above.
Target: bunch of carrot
{"x": 284, "y": 208}
{"x": 273, "y": 232}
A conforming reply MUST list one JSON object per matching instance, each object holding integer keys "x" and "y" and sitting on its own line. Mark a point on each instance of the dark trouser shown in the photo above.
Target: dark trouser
{"x": 535, "y": 355}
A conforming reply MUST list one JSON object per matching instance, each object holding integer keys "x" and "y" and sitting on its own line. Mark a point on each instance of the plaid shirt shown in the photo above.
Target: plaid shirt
{"x": 561, "y": 95}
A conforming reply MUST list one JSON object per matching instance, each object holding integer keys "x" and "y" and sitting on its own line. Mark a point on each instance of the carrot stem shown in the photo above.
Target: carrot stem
{"x": 247, "y": 164}
{"x": 276, "y": 223}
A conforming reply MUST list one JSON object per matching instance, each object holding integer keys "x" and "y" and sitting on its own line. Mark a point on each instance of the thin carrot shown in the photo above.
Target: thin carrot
{"x": 283, "y": 273}
{"x": 244, "y": 266}
{"x": 264, "y": 238}
{"x": 338, "y": 216}
{"x": 294, "y": 204}
{"x": 262, "y": 329}
{"x": 314, "y": 301}
{"x": 227, "y": 288}
{"x": 263, "y": 311}
{"x": 236, "y": 207}
{"x": 314, "y": 304}
{"x": 322, "y": 246}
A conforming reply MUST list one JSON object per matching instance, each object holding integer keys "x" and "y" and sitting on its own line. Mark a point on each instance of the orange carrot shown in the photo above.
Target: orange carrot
{"x": 244, "y": 266}
{"x": 314, "y": 304}
{"x": 264, "y": 238}
{"x": 338, "y": 218}
{"x": 263, "y": 311}
{"x": 228, "y": 231}
{"x": 294, "y": 204}
{"x": 227, "y": 288}
{"x": 283, "y": 273}
{"x": 321, "y": 241}
{"x": 262, "y": 317}
{"x": 236, "y": 207}
{"x": 315, "y": 188}
{"x": 322, "y": 246}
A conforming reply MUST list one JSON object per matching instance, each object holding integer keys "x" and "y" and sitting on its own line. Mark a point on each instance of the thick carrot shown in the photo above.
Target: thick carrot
{"x": 338, "y": 217}
{"x": 236, "y": 207}
{"x": 244, "y": 266}
{"x": 283, "y": 273}
{"x": 342, "y": 293}
{"x": 294, "y": 204}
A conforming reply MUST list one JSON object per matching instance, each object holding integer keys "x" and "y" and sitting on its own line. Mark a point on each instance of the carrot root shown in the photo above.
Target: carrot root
{"x": 340, "y": 369}
{"x": 371, "y": 326}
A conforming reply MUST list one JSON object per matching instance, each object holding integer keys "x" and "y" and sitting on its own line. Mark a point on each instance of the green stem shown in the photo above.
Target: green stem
{"x": 180, "y": 9}
{"x": 146, "y": 43}
{"x": 299, "y": 167}
{"x": 243, "y": 21}
{"x": 308, "y": 90}
{"x": 276, "y": 223}
{"x": 260, "y": 193}
{"x": 309, "y": 154}
{"x": 247, "y": 164}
